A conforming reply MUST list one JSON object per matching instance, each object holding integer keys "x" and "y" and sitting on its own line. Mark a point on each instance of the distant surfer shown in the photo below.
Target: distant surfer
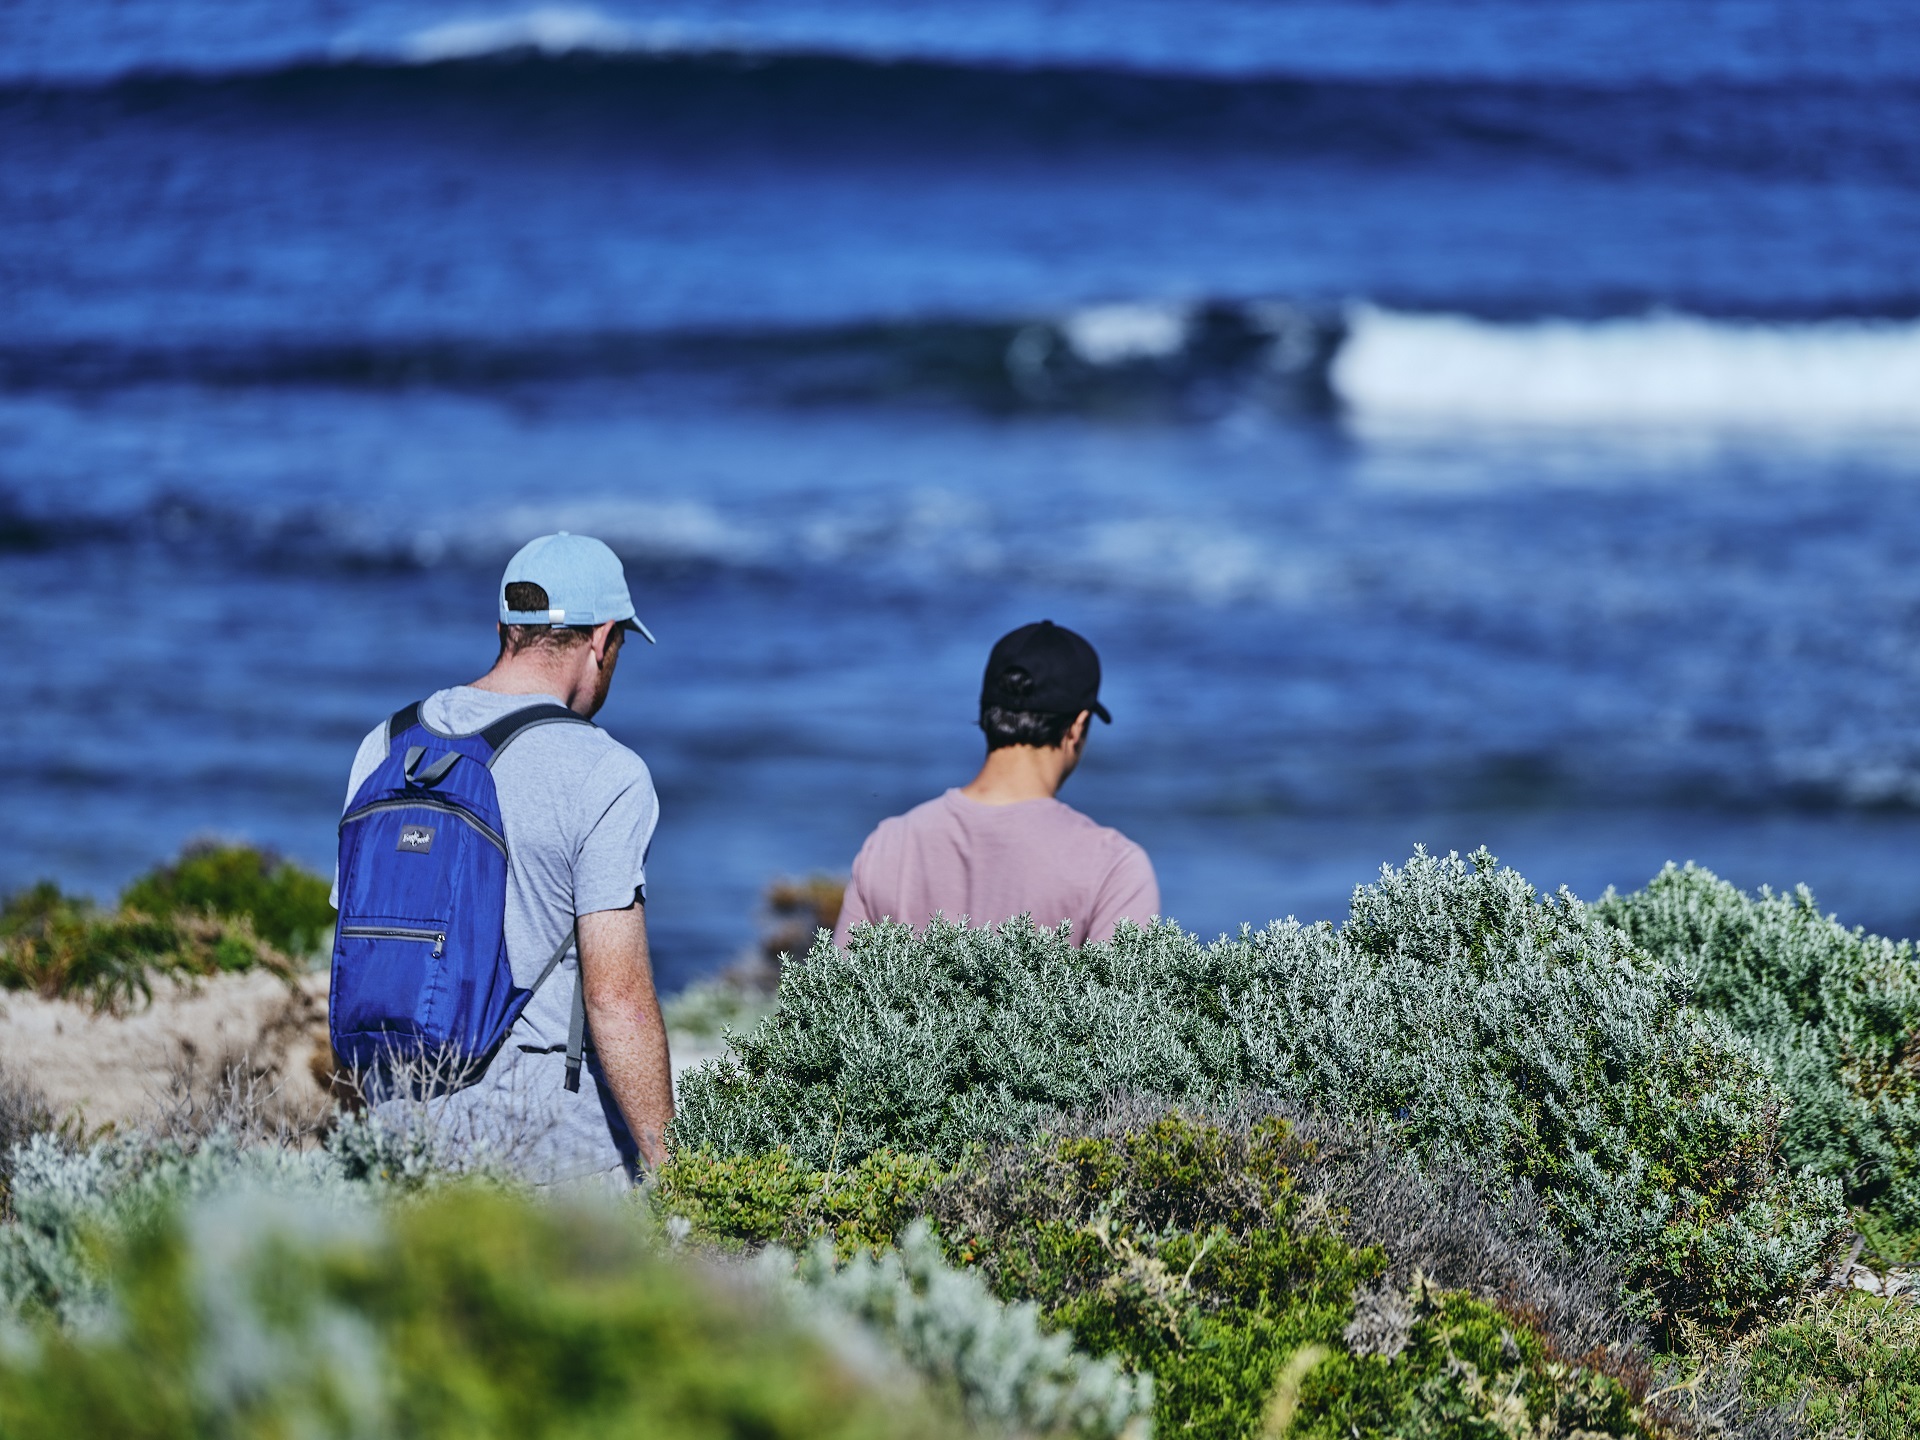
{"x": 1003, "y": 844}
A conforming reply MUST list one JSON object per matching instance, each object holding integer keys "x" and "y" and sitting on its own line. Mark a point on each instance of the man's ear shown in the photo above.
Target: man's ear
{"x": 604, "y": 642}
{"x": 1077, "y": 732}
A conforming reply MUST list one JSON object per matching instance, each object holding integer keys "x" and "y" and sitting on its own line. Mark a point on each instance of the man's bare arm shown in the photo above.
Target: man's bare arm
{"x": 623, "y": 1019}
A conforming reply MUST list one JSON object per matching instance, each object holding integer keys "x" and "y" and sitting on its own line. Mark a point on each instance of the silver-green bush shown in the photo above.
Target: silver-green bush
{"x": 1833, "y": 1013}
{"x": 465, "y": 1313}
{"x": 1525, "y": 1038}
{"x": 1007, "y": 1371}
{"x": 64, "y": 1198}
{"x": 237, "y": 1211}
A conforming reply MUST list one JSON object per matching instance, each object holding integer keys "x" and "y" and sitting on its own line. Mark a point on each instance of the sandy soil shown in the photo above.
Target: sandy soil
{"x": 117, "y": 1069}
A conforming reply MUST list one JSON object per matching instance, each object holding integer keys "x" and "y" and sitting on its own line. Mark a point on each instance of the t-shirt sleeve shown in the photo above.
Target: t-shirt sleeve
{"x": 366, "y": 760}
{"x": 853, "y": 906}
{"x": 1130, "y": 892}
{"x": 619, "y": 811}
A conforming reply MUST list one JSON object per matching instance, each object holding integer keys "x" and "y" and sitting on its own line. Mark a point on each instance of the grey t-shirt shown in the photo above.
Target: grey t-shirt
{"x": 579, "y": 811}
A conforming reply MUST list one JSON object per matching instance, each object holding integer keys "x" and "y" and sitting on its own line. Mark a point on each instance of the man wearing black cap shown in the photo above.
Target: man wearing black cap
{"x": 1002, "y": 845}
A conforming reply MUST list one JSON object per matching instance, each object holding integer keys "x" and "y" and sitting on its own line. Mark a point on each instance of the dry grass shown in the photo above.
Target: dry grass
{"x": 238, "y": 1098}
{"x": 24, "y": 1112}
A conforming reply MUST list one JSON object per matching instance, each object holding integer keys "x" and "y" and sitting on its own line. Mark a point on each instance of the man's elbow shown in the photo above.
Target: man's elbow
{"x": 617, "y": 987}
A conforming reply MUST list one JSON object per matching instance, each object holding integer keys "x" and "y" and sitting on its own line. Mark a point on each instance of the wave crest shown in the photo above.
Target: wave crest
{"x": 1661, "y": 370}
{"x": 1383, "y": 368}
{"x": 549, "y": 30}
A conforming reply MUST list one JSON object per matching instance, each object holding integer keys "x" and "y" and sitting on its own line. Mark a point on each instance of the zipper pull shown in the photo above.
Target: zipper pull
{"x": 439, "y": 945}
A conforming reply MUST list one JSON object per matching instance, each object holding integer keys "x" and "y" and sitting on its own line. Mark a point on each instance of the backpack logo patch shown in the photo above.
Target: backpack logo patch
{"x": 415, "y": 839}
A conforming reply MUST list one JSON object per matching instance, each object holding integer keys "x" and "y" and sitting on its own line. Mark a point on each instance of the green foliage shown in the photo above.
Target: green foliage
{"x": 1466, "y": 1370}
{"x": 217, "y": 910}
{"x": 65, "y": 1194}
{"x": 465, "y": 1314}
{"x": 1195, "y": 1252}
{"x": 1523, "y": 1038}
{"x": 1887, "y": 1245}
{"x": 1204, "y": 1250}
{"x": 1855, "y": 1361}
{"x": 1172, "y": 1247}
{"x": 24, "y": 1113}
{"x": 287, "y": 905}
{"x": 64, "y": 947}
{"x": 1833, "y": 1013}
{"x": 997, "y": 1360}
{"x": 773, "y": 1199}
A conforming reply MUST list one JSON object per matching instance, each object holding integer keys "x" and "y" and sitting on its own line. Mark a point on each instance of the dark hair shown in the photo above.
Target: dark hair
{"x": 1023, "y": 727}
{"x": 525, "y": 595}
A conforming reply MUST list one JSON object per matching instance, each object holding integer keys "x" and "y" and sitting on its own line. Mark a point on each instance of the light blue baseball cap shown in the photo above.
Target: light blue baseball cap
{"x": 584, "y": 581}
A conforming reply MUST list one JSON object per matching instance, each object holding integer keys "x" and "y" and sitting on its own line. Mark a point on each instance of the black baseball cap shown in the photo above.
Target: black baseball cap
{"x": 1044, "y": 668}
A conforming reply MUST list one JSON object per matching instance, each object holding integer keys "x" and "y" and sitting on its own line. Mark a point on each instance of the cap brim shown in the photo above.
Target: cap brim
{"x": 1101, "y": 711}
{"x": 632, "y": 622}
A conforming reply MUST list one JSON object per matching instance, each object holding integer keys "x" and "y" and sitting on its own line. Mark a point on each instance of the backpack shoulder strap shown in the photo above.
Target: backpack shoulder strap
{"x": 504, "y": 731}
{"x": 402, "y": 721}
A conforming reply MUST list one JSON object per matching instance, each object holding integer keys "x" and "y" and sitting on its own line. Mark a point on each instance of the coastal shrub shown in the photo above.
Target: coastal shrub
{"x": 1438, "y": 1224}
{"x": 1200, "y": 1252}
{"x": 216, "y": 910}
{"x": 468, "y": 1313}
{"x": 24, "y": 1113}
{"x": 1207, "y": 1247}
{"x": 772, "y": 1198}
{"x": 84, "y": 1212}
{"x": 65, "y": 1195}
{"x": 1006, "y": 1370}
{"x": 1852, "y": 1361}
{"x": 1526, "y": 1036}
{"x": 287, "y": 905}
{"x": 63, "y": 946}
{"x": 1523, "y": 1038}
{"x": 65, "y": 1198}
{"x": 1833, "y": 1013}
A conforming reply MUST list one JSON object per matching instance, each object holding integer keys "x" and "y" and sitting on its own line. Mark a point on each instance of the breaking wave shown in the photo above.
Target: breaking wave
{"x": 1470, "y": 39}
{"x": 1661, "y": 370}
{"x": 1166, "y": 358}
{"x": 549, "y": 30}
{"x": 1379, "y": 366}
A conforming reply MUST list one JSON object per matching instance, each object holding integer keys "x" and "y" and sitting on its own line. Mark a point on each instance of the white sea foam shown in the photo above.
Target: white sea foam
{"x": 1214, "y": 562}
{"x": 1115, "y": 334}
{"x": 1658, "y": 370}
{"x": 664, "y": 530}
{"x": 552, "y": 30}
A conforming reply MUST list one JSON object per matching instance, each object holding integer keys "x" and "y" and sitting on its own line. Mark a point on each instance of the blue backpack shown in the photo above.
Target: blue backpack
{"x": 421, "y": 983}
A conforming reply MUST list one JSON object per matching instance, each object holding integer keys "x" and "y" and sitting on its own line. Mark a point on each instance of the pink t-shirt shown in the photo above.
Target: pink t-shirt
{"x": 989, "y": 863}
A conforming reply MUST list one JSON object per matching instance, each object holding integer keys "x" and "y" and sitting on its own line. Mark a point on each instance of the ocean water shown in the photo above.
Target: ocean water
{"x": 1455, "y": 421}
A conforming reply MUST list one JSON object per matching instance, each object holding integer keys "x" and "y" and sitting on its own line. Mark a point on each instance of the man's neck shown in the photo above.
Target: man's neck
{"x": 521, "y": 675}
{"x": 1015, "y": 773}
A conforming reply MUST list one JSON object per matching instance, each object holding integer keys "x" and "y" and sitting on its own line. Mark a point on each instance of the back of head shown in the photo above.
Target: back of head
{"x": 523, "y": 596}
{"x": 557, "y": 589}
{"x": 1039, "y": 680}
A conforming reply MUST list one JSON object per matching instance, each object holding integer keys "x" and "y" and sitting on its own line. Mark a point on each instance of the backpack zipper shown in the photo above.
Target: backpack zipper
{"x": 491, "y": 835}
{"x": 394, "y": 932}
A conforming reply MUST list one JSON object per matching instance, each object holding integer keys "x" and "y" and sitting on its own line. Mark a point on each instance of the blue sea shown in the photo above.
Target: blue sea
{"x": 1456, "y": 422}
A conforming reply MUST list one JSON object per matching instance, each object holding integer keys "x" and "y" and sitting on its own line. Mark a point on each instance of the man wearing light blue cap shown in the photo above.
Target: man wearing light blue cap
{"x": 578, "y": 811}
